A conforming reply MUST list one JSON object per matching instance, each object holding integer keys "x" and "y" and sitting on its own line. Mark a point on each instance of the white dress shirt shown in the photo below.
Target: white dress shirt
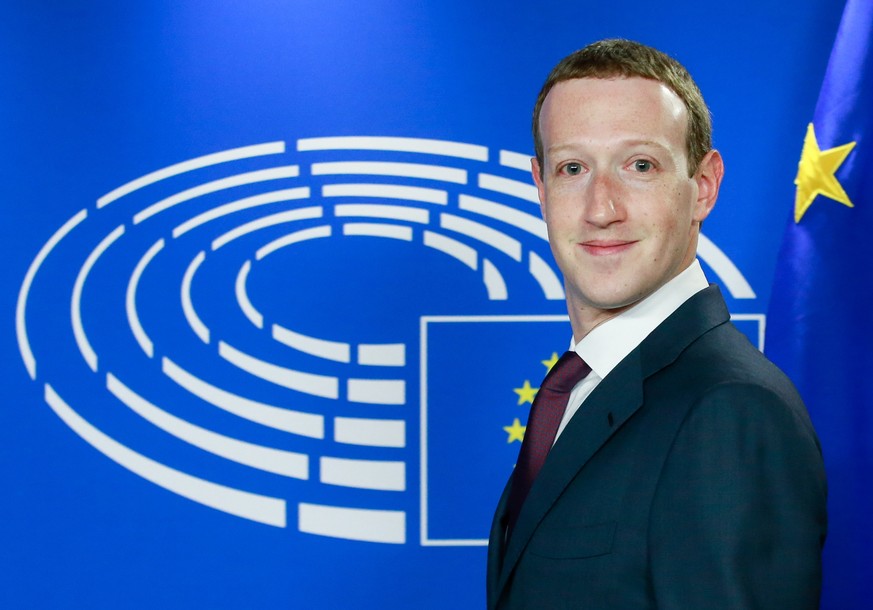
{"x": 608, "y": 344}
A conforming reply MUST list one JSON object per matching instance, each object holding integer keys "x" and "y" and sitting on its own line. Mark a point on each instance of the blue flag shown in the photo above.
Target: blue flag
{"x": 820, "y": 324}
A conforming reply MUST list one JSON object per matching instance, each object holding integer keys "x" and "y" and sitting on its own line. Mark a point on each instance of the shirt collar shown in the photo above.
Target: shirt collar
{"x": 608, "y": 344}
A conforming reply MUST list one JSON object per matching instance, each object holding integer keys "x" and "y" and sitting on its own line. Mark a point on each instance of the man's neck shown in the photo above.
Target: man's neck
{"x": 584, "y": 318}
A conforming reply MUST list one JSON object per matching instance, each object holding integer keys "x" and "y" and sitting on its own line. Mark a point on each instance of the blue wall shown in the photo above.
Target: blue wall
{"x": 107, "y": 458}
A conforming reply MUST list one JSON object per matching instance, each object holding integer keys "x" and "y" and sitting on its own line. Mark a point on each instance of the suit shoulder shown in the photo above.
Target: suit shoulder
{"x": 725, "y": 357}
{"x": 723, "y": 371}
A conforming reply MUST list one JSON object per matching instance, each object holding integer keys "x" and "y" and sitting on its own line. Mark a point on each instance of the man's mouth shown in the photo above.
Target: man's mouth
{"x": 606, "y": 247}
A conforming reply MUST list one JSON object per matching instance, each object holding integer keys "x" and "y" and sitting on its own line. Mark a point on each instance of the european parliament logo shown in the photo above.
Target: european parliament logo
{"x": 340, "y": 339}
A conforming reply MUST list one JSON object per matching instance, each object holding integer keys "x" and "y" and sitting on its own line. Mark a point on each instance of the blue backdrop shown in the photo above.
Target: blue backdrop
{"x": 254, "y": 251}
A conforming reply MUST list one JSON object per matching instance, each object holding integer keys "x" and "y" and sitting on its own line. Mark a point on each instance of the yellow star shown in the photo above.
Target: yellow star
{"x": 550, "y": 362}
{"x": 526, "y": 393}
{"x": 515, "y": 431}
{"x": 815, "y": 174}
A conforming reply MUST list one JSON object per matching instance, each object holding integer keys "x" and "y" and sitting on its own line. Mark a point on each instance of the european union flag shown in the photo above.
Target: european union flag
{"x": 820, "y": 325}
{"x": 482, "y": 373}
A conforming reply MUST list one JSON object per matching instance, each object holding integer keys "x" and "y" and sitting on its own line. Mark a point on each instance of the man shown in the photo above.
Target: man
{"x": 686, "y": 473}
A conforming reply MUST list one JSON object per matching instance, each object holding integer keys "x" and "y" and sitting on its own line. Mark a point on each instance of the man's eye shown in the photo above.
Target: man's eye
{"x": 573, "y": 168}
{"x": 641, "y": 165}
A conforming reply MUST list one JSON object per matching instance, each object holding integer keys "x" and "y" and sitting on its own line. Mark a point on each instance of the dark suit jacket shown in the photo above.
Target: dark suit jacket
{"x": 691, "y": 478}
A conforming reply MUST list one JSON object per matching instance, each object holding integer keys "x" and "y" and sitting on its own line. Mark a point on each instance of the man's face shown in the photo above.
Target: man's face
{"x": 622, "y": 213}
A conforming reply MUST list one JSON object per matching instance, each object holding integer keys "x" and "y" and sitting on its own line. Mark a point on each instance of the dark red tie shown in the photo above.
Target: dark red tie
{"x": 542, "y": 427}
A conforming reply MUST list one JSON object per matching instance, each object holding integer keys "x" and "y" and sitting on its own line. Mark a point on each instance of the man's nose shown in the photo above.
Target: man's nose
{"x": 604, "y": 201}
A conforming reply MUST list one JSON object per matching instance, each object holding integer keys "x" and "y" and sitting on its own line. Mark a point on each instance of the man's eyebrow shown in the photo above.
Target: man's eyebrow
{"x": 629, "y": 142}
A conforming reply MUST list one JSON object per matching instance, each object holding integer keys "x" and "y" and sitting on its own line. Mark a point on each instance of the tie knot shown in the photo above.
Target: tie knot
{"x": 569, "y": 370}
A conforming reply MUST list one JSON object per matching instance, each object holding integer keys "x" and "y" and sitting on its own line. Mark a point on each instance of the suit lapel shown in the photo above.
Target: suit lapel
{"x": 612, "y": 403}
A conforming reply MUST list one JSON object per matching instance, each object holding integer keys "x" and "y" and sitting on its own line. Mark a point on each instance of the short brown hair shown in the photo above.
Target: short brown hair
{"x": 618, "y": 58}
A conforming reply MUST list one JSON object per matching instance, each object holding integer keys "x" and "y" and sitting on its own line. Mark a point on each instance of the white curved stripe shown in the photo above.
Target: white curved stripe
{"x": 553, "y": 288}
{"x": 494, "y": 238}
{"x": 76, "y": 302}
{"x": 301, "y": 192}
{"x": 321, "y": 348}
{"x": 293, "y": 238}
{"x": 130, "y": 299}
{"x": 267, "y": 221}
{"x": 376, "y": 230}
{"x": 727, "y": 272}
{"x": 194, "y": 321}
{"x": 261, "y": 175}
{"x": 295, "y": 422}
{"x": 377, "y": 391}
{"x": 308, "y": 383}
{"x": 363, "y": 474}
{"x": 262, "y": 509}
{"x": 524, "y": 221}
{"x": 387, "y": 354}
{"x": 24, "y": 291}
{"x": 384, "y": 168}
{"x": 232, "y": 154}
{"x": 388, "y": 526}
{"x": 515, "y": 160}
{"x": 418, "y": 145}
{"x": 370, "y": 432}
{"x": 242, "y": 297}
{"x": 515, "y": 188}
{"x": 387, "y": 191}
{"x": 453, "y": 248}
{"x": 494, "y": 283}
{"x": 285, "y": 463}
{"x": 394, "y": 212}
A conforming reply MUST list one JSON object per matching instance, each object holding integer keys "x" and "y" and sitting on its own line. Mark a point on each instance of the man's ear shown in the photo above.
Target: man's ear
{"x": 537, "y": 172}
{"x": 708, "y": 177}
